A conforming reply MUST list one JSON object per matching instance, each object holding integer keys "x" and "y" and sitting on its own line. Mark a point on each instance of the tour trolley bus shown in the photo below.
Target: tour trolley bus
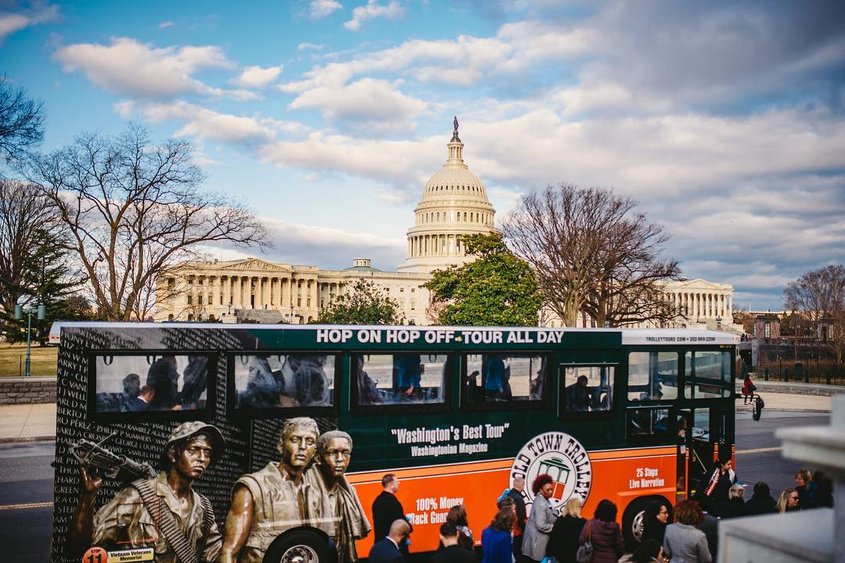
{"x": 457, "y": 413}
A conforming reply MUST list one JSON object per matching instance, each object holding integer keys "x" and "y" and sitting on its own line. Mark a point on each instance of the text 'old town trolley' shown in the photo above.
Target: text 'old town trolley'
{"x": 192, "y": 442}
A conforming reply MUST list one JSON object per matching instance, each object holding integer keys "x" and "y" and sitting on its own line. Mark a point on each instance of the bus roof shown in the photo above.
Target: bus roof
{"x": 651, "y": 336}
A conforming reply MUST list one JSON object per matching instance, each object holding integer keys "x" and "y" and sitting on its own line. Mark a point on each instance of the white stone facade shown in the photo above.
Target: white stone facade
{"x": 454, "y": 204}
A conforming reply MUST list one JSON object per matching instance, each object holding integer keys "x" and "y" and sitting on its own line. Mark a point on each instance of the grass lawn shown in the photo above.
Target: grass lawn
{"x": 13, "y": 359}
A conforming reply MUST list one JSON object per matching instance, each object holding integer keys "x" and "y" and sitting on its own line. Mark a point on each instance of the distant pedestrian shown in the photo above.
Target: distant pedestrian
{"x": 604, "y": 533}
{"x": 496, "y": 544}
{"x": 563, "y": 541}
{"x": 761, "y": 501}
{"x": 748, "y": 389}
{"x": 684, "y": 543}
{"x": 451, "y": 552}
{"x": 788, "y": 501}
{"x": 541, "y": 521}
{"x": 386, "y": 507}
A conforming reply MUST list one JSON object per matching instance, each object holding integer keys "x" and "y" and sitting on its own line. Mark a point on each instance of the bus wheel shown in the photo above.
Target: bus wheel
{"x": 301, "y": 546}
{"x": 632, "y": 520}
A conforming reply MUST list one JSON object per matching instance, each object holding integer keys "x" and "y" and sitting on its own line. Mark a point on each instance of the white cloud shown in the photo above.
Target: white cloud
{"x": 375, "y": 102}
{"x": 129, "y": 67}
{"x": 166, "y": 24}
{"x": 16, "y": 20}
{"x": 322, "y": 8}
{"x": 305, "y": 46}
{"x": 258, "y": 77}
{"x": 362, "y": 14}
{"x": 202, "y": 123}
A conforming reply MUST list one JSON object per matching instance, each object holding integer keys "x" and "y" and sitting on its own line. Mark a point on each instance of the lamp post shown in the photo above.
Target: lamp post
{"x": 20, "y": 311}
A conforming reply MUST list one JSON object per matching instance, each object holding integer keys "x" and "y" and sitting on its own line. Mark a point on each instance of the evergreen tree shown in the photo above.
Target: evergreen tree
{"x": 497, "y": 289}
{"x": 364, "y": 304}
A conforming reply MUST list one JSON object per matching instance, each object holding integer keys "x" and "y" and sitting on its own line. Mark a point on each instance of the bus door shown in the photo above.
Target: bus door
{"x": 705, "y": 436}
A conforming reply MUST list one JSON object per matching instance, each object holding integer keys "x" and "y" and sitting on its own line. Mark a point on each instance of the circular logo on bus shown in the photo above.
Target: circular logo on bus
{"x": 561, "y": 456}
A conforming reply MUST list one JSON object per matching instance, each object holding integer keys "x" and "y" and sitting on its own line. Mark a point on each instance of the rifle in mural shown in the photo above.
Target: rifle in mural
{"x": 94, "y": 455}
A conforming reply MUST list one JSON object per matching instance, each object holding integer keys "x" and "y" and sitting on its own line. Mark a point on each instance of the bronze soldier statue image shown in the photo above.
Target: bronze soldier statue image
{"x": 162, "y": 512}
{"x": 334, "y": 452}
{"x": 275, "y": 499}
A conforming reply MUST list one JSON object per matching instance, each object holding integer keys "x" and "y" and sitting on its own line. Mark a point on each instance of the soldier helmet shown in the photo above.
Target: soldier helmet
{"x": 189, "y": 429}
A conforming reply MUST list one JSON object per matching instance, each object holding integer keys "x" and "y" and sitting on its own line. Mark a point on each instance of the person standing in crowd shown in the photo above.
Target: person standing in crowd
{"x": 807, "y": 490}
{"x": 142, "y": 402}
{"x": 761, "y": 501}
{"x": 386, "y": 507}
{"x": 735, "y": 507}
{"x": 451, "y": 552}
{"x": 710, "y": 526}
{"x": 516, "y": 494}
{"x": 389, "y": 548}
{"x": 655, "y": 518}
{"x": 496, "y": 544}
{"x": 716, "y": 492}
{"x": 604, "y": 533}
{"x": 457, "y": 515}
{"x": 563, "y": 541}
{"x": 824, "y": 490}
{"x": 650, "y": 551}
{"x": 541, "y": 521}
{"x": 788, "y": 501}
{"x": 684, "y": 543}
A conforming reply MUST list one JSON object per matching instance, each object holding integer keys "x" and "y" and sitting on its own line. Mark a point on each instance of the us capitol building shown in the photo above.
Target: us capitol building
{"x": 454, "y": 204}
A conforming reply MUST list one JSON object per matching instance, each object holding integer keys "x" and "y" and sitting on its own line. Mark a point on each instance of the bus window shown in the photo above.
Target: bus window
{"x": 501, "y": 378}
{"x": 402, "y": 378}
{"x": 652, "y": 376}
{"x": 708, "y": 374}
{"x": 587, "y": 388}
{"x": 265, "y": 381}
{"x": 648, "y": 425}
{"x": 707, "y": 364}
{"x": 142, "y": 383}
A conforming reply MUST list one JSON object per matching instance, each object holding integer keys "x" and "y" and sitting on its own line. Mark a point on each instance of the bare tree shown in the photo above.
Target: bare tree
{"x": 21, "y": 122}
{"x": 820, "y": 296}
{"x": 134, "y": 210}
{"x": 28, "y": 224}
{"x": 592, "y": 253}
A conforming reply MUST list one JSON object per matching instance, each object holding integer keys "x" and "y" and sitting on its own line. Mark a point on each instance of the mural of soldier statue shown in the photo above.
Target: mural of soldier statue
{"x": 334, "y": 452}
{"x": 162, "y": 512}
{"x": 276, "y": 498}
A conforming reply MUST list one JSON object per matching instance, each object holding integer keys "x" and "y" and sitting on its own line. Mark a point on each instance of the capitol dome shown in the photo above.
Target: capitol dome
{"x": 454, "y": 204}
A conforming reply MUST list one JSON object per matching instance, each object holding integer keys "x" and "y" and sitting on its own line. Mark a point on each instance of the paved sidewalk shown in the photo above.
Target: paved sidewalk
{"x": 29, "y": 423}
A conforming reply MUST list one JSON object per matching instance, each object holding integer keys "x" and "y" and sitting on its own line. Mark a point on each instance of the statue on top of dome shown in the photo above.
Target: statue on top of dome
{"x": 455, "y": 124}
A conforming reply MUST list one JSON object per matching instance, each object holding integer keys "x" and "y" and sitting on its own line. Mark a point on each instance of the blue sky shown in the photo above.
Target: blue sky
{"x": 725, "y": 120}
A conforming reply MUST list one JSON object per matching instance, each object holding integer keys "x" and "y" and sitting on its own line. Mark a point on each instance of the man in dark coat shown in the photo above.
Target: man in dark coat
{"x": 387, "y": 550}
{"x": 762, "y": 501}
{"x": 387, "y": 508}
{"x": 452, "y": 552}
{"x": 519, "y": 525}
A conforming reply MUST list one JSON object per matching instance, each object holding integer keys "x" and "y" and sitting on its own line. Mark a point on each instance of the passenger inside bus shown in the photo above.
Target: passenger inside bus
{"x": 578, "y": 397}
